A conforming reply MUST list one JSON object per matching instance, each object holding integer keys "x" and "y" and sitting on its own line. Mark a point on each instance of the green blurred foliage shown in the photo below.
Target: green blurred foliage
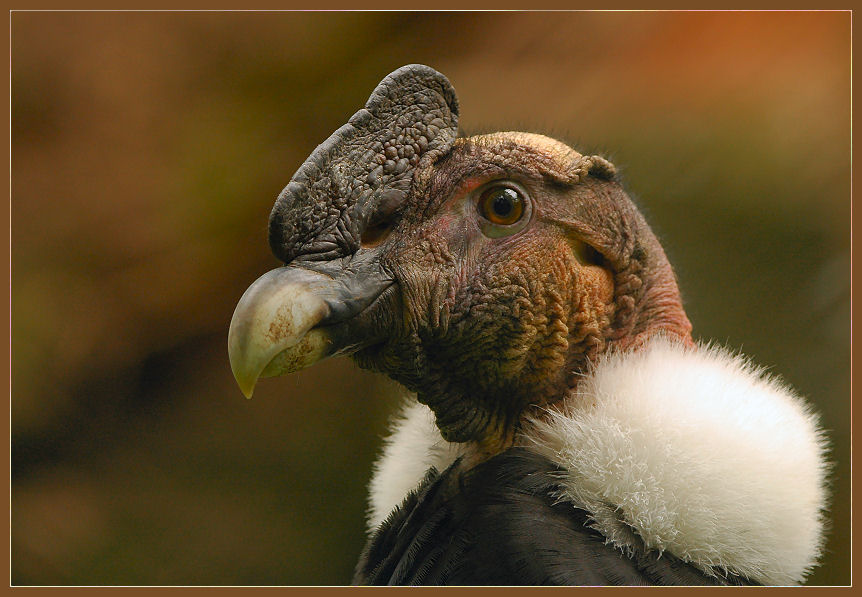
{"x": 147, "y": 149}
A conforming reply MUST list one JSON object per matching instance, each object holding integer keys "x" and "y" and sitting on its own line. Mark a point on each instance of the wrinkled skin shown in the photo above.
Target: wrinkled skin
{"x": 489, "y": 325}
{"x": 482, "y": 327}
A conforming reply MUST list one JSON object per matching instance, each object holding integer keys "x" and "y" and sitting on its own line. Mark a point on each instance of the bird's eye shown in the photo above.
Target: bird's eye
{"x": 502, "y": 205}
{"x": 504, "y": 209}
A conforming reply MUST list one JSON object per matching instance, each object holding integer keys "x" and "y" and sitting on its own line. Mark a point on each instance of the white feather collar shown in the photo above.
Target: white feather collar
{"x": 695, "y": 450}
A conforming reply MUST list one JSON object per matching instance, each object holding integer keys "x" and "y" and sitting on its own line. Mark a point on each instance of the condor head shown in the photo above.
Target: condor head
{"x": 483, "y": 273}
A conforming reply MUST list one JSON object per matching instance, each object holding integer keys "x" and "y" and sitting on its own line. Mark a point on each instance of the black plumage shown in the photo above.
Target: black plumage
{"x": 498, "y": 523}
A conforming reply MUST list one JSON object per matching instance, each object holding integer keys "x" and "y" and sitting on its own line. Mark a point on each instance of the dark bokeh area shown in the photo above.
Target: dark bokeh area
{"x": 148, "y": 148}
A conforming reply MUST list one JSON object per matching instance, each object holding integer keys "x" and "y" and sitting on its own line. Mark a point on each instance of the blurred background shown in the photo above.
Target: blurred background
{"x": 148, "y": 149}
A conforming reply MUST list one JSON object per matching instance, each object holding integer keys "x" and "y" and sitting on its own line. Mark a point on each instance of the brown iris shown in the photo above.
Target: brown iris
{"x": 501, "y": 205}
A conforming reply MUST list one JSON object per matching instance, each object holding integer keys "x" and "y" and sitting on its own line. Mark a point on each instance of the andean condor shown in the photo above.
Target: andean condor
{"x": 566, "y": 429}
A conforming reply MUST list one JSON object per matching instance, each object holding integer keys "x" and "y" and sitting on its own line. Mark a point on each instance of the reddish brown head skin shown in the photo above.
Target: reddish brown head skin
{"x": 484, "y": 328}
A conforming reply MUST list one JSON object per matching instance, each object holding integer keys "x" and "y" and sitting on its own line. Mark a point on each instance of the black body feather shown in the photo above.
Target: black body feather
{"x": 499, "y": 524}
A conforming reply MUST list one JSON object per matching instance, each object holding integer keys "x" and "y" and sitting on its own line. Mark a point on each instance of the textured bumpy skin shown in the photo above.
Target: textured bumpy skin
{"x": 502, "y": 527}
{"x": 519, "y": 316}
{"x": 412, "y": 115}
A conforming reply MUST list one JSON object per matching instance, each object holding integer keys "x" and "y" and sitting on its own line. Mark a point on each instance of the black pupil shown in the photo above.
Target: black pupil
{"x": 504, "y": 202}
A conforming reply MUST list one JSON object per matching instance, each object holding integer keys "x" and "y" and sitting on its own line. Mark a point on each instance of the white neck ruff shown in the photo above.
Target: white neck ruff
{"x": 693, "y": 450}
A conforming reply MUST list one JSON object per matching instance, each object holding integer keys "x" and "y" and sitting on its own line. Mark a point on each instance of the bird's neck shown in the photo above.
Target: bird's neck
{"x": 490, "y": 445}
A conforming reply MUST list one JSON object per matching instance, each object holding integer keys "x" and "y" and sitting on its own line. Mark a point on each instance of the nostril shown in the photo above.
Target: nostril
{"x": 383, "y": 219}
{"x": 375, "y": 233}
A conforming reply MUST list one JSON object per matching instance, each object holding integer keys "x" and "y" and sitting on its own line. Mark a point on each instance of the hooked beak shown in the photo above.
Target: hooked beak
{"x": 295, "y": 316}
{"x": 325, "y": 302}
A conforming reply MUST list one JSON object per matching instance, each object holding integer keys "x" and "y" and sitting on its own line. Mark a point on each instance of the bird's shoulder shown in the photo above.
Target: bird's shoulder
{"x": 500, "y": 523}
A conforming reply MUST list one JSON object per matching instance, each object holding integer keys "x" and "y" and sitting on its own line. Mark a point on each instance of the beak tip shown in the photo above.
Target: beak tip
{"x": 247, "y": 393}
{"x": 245, "y": 382}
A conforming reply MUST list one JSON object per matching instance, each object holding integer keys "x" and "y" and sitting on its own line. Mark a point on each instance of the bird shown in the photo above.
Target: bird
{"x": 561, "y": 425}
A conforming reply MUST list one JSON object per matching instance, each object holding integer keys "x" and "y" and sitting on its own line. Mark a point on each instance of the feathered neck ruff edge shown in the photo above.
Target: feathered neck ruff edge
{"x": 694, "y": 450}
